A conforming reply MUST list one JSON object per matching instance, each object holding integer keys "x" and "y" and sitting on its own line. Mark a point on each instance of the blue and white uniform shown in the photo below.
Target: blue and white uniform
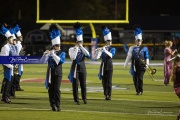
{"x": 78, "y": 68}
{"x": 106, "y": 68}
{"x": 55, "y": 59}
{"x": 7, "y": 50}
{"x": 137, "y": 54}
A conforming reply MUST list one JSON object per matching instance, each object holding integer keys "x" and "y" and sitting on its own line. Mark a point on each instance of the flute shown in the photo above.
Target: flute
{"x": 100, "y": 49}
{"x": 47, "y": 52}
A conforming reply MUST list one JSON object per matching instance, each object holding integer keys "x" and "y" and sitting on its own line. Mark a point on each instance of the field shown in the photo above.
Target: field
{"x": 158, "y": 101}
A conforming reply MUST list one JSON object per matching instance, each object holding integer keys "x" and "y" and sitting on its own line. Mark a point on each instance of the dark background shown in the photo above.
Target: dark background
{"x": 159, "y": 20}
{"x": 150, "y": 14}
{"x": 155, "y": 14}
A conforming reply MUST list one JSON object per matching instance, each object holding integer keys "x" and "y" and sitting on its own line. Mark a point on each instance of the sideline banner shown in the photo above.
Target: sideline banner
{"x": 93, "y": 46}
{"x": 23, "y": 59}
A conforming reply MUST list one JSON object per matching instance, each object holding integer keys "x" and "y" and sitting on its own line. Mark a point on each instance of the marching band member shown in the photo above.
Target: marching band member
{"x": 56, "y": 58}
{"x": 137, "y": 53}
{"x": 18, "y": 76}
{"x": 168, "y": 53}
{"x": 106, "y": 67}
{"x": 15, "y": 53}
{"x": 78, "y": 69}
{"x": 6, "y": 50}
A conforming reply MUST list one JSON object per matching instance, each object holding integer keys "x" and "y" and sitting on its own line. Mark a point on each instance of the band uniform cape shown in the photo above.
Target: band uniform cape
{"x": 135, "y": 53}
{"x": 77, "y": 55}
{"x": 7, "y": 50}
{"x": 106, "y": 54}
{"x": 56, "y": 58}
{"x": 54, "y": 64}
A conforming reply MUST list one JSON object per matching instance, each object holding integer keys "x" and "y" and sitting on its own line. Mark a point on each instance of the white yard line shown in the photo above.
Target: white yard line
{"x": 160, "y": 113}
{"x": 29, "y": 79}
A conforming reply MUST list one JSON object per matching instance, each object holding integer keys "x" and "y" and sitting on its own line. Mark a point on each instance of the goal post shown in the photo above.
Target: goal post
{"x": 38, "y": 20}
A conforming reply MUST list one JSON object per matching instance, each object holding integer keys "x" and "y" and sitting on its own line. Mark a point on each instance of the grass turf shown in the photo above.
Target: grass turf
{"x": 157, "y": 102}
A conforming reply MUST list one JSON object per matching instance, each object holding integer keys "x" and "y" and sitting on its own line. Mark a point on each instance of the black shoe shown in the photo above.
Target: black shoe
{"x": 53, "y": 108}
{"x": 85, "y": 101}
{"x": 58, "y": 109}
{"x": 108, "y": 97}
{"x": 77, "y": 102}
{"x": 139, "y": 93}
{"x": 6, "y": 100}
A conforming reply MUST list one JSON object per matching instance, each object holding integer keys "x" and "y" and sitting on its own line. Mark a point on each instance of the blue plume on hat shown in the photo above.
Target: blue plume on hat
{"x": 106, "y": 33}
{"x": 137, "y": 32}
{"x": 54, "y": 34}
{"x": 78, "y": 31}
{"x": 17, "y": 30}
{"x": 105, "y": 30}
{"x": 4, "y": 31}
{"x": 54, "y": 31}
{"x": 11, "y": 30}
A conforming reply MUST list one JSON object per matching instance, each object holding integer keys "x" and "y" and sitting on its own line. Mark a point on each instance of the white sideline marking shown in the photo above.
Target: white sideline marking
{"x": 148, "y": 113}
{"x": 29, "y": 79}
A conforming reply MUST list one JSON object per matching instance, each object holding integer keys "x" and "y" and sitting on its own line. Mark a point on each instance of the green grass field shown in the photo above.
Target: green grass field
{"x": 158, "y": 102}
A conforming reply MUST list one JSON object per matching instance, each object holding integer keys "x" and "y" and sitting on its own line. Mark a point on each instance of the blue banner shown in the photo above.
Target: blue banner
{"x": 23, "y": 59}
{"x": 93, "y": 46}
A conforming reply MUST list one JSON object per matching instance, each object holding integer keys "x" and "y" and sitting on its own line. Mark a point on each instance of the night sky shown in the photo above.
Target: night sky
{"x": 155, "y": 7}
{"x": 155, "y": 14}
{"x": 152, "y": 14}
